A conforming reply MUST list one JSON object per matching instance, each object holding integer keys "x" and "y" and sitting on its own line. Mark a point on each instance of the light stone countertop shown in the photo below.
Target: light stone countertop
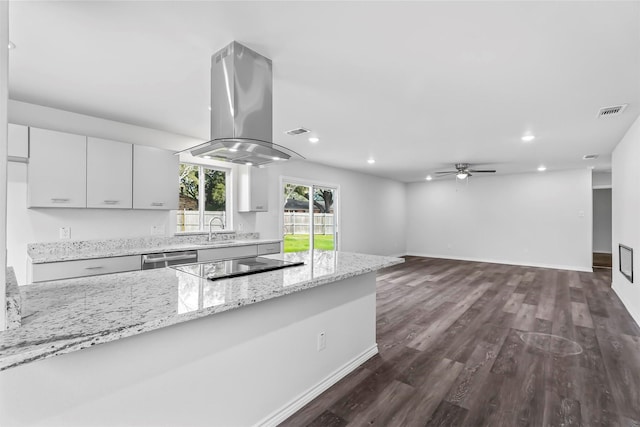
{"x": 68, "y": 315}
{"x": 14, "y": 317}
{"x": 90, "y": 249}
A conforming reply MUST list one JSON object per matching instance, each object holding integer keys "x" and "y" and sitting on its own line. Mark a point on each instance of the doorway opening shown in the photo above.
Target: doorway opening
{"x": 602, "y": 225}
{"x": 310, "y": 218}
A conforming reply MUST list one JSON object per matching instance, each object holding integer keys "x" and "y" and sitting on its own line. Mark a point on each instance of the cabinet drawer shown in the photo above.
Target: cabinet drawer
{"x": 84, "y": 267}
{"x": 217, "y": 254}
{"x": 269, "y": 248}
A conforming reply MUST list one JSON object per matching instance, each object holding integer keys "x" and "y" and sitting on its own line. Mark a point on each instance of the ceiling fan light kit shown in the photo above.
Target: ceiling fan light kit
{"x": 463, "y": 172}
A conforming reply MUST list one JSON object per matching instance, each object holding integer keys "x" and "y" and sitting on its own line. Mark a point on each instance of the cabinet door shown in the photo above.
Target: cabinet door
{"x": 217, "y": 254}
{"x": 253, "y": 187}
{"x": 18, "y": 141}
{"x": 109, "y": 174}
{"x": 57, "y": 171}
{"x": 155, "y": 178}
{"x": 84, "y": 267}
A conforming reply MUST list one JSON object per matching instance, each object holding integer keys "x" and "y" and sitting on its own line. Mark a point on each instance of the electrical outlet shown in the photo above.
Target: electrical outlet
{"x": 322, "y": 341}
{"x": 157, "y": 230}
{"x": 240, "y": 226}
{"x": 65, "y": 232}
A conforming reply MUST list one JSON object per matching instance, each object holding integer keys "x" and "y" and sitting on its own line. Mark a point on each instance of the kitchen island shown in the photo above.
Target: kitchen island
{"x": 182, "y": 350}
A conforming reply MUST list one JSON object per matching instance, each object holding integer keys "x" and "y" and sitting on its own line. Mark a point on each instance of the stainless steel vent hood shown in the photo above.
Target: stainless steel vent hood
{"x": 241, "y": 110}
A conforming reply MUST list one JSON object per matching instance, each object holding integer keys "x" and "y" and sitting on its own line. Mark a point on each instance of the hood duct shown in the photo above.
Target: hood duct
{"x": 242, "y": 110}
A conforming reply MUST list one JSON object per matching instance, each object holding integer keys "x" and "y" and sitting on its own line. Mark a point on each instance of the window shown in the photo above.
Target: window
{"x": 203, "y": 198}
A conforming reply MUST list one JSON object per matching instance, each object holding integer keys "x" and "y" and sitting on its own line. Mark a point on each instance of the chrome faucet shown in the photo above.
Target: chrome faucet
{"x": 219, "y": 218}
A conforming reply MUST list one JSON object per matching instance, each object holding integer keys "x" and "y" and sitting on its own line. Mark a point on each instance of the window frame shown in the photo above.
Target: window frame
{"x": 228, "y": 220}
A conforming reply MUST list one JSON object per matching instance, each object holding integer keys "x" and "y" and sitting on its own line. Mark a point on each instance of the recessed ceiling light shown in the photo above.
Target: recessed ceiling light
{"x": 542, "y": 168}
{"x": 233, "y": 150}
{"x": 206, "y": 157}
{"x": 528, "y": 138}
{"x": 11, "y": 45}
{"x": 249, "y": 164}
{"x": 276, "y": 158}
{"x": 590, "y": 156}
{"x": 428, "y": 178}
{"x": 371, "y": 161}
{"x": 314, "y": 139}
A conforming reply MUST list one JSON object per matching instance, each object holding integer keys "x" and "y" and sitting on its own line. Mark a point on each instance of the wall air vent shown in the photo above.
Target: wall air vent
{"x": 615, "y": 110}
{"x": 590, "y": 156}
{"x": 297, "y": 131}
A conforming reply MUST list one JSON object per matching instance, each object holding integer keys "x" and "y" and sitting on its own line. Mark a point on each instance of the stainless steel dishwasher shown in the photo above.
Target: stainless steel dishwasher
{"x": 165, "y": 259}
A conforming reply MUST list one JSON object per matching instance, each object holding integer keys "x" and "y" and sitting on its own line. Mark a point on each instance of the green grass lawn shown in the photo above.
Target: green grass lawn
{"x": 300, "y": 242}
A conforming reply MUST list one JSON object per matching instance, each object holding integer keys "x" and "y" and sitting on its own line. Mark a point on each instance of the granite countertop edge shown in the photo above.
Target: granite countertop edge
{"x": 13, "y": 300}
{"x": 46, "y": 258}
{"x": 57, "y": 347}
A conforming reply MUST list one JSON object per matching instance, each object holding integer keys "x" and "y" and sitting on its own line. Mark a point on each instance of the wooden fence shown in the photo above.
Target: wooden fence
{"x": 298, "y": 223}
{"x": 190, "y": 220}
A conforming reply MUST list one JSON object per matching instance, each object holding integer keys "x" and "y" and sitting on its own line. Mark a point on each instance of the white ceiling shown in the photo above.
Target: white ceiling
{"x": 416, "y": 85}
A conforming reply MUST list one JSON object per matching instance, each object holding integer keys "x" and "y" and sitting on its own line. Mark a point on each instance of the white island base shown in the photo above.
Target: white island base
{"x": 255, "y": 365}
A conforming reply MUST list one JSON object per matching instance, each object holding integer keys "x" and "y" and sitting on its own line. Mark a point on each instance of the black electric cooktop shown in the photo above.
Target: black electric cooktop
{"x": 217, "y": 270}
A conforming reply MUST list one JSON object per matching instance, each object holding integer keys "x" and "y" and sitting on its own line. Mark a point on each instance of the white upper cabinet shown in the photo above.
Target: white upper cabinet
{"x": 57, "y": 169}
{"x": 18, "y": 139}
{"x": 253, "y": 185}
{"x": 155, "y": 178}
{"x": 109, "y": 174}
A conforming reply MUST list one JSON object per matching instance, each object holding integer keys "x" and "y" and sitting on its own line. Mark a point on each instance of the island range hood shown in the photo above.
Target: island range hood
{"x": 242, "y": 110}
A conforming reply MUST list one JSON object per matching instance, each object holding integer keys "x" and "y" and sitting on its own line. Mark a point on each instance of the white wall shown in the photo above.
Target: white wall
{"x": 626, "y": 214}
{"x": 371, "y": 209}
{"x": 41, "y": 225}
{"x": 4, "y": 94}
{"x": 602, "y": 220}
{"x": 601, "y": 179}
{"x": 541, "y": 219}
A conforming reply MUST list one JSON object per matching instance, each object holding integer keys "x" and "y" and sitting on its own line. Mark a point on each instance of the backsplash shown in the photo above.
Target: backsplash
{"x": 89, "y": 246}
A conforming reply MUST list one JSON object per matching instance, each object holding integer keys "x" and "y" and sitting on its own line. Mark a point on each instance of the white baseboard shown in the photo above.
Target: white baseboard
{"x": 627, "y": 304}
{"x": 497, "y": 261}
{"x": 294, "y": 405}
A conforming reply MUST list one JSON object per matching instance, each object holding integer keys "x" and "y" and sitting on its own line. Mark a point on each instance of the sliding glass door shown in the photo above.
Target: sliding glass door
{"x": 310, "y": 217}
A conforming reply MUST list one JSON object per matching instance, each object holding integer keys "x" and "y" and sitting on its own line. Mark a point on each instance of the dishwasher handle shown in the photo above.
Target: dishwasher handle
{"x": 182, "y": 256}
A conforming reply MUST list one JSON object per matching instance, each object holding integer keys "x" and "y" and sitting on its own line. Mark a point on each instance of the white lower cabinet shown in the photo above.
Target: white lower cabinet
{"x": 269, "y": 248}
{"x": 57, "y": 170}
{"x": 217, "y": 254}
{"x": 85, "y": 267}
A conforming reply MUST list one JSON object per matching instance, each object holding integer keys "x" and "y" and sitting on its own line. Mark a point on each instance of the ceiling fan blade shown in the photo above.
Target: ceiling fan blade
{"x": 446, "y": 172}
{"x": 482, "y": 170}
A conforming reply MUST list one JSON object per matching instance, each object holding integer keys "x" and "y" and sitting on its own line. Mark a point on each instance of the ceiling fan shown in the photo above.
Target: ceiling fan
{"x": 462, "y": 171}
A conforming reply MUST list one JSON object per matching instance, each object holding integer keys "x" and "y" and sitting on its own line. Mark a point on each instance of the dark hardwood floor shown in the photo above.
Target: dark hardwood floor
{"x": 601, "y": 260}
{"x": 468, "y": 344}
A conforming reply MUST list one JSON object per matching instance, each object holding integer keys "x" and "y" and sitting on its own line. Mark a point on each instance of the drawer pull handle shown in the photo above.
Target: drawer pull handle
{"x": 111, "y": 202}
{"x": 94, "y": 268}
{"x": 58, "y": 200}
{"x": 148, "y": 259}
{"x": 157, "y": 203}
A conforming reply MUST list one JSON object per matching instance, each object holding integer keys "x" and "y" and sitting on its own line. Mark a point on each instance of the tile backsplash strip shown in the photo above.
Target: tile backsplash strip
{"x": 63, "y": 248}
{"x": 14, "y": 317}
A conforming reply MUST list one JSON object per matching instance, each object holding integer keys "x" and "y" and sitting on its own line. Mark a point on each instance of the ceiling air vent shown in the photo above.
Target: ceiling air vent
{"x": 616, "y": 110}
{"x": 590, "y": 157}
{"x": 297, "y": 131}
